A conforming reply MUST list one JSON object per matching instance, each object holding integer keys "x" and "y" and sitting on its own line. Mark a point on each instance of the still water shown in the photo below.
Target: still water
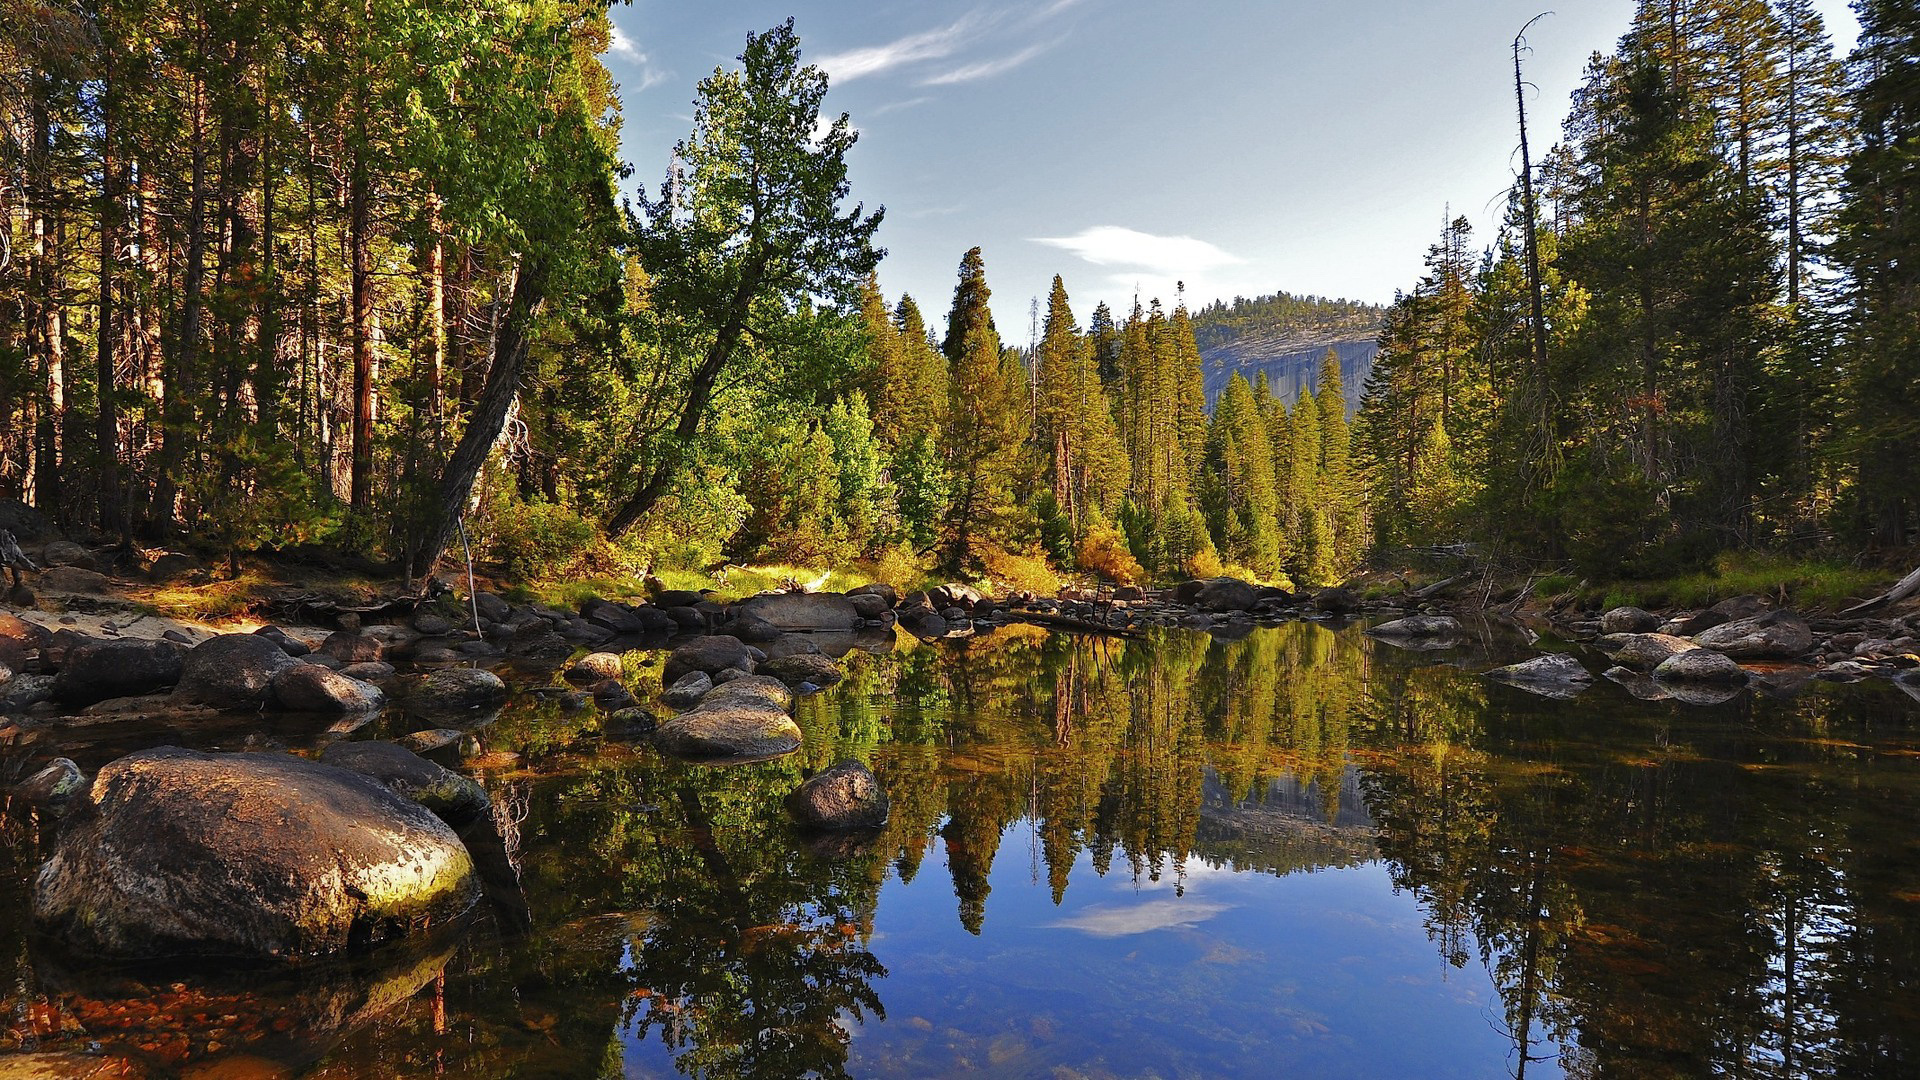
{"x": 1299, "y": 853}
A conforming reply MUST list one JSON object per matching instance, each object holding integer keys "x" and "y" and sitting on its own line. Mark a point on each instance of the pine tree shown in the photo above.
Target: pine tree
{"x": 1301, "y": 515}
{"x": 1237, "y": 489}
{"x": 1088, "y": 465}
{"x": 987, "y": 411}
{"x": 1339, "y": 493}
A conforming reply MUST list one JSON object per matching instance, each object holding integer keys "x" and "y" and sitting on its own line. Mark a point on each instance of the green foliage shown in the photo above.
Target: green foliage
{"x": 536, "y": 541}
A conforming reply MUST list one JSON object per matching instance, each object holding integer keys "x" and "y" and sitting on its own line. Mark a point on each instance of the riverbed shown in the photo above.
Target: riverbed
{"x": 1289, "y": 851}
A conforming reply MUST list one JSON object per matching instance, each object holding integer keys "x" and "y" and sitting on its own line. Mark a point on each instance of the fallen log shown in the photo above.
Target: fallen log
{"x": 1907, "y": 587}
{"x": 1068, "y": 622}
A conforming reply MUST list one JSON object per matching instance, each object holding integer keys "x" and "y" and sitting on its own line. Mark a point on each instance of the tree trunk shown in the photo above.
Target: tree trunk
{"x": 359, "y": 210}
{"x": 488, "y": 419}
{"x": 106, "y": 428}
{"x": 182, "y": 371}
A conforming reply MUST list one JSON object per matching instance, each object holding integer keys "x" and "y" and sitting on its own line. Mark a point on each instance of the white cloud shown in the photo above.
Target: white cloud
{"x": 986, "y": 69}
{"x": 624, "y": 47}
{"x": 1128, "y": 920}
{"x": 912, "y": 49}
{"x": 1114, "y": 245}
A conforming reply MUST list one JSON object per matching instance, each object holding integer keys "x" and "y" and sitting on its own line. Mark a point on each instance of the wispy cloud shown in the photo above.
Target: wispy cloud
{"x": 624, "y": 47}
{"x": 1111, "y": 921}
{"x": 987, "y": 69}
{"x": 897, "y": 106}
{"x": 912, "y": 49}
{"x": 1115, "y": 245}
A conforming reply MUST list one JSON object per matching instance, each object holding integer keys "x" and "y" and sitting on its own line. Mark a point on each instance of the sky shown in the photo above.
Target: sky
{"x": 1242, "y": 147}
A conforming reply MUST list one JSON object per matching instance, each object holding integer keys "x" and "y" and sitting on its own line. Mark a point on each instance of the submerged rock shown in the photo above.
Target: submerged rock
{"x": 1550, "y": 670}
{"x": 847, "y": 796}
{"x": 453, "y": 798}
{"x": 1419, "y": 627}
{"x": 729, "y": 730}
{"x": 816, "y": 668}
{"x": 687, "y": 691}
{"x": 250, "y": 856}
{"x": 709, "y": 654}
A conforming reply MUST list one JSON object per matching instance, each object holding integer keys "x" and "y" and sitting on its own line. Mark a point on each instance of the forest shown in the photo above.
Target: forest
{"x": 357, "y": 277}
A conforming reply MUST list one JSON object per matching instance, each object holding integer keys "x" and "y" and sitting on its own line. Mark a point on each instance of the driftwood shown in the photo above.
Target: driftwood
{"x": 1068, "y": 622}
{"x": 1907, "y": 587}
{"x": 1427, "y": 592}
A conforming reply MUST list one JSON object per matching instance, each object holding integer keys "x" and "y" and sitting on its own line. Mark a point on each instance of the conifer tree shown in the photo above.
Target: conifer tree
{"x": 1302, "y": 518}
{"x": 1339, "y": 493}
{"x": 1237, "y": 490}
{"x": 987, "y": 411}
{"x": 1076, "y": 420}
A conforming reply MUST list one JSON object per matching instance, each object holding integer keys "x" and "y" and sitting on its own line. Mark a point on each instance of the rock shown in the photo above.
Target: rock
{"x": 730, "y": 674}
{"x": 672, "y": 598}
{"x": 595, "y": 667}
{"x": 1420, "y": 626}
{"x": 1732, "y": 609}
{"x": 97, "y": 670}
{"x": 433, "y": 741}
{"x": 788, "y": 645}
{"x": 170, "y": 567}
{"x": 372, "y": 671}
{"x": 1554, "y": 668}
{"x": 631, "y": 723}
{"x": 924, "y": 624}
{"x": 457, "y": 689}
{"x": 954, "y": 595}
{"x": 1629, "y": 620}
{"x": 615, "y": 617}
{"x": 1846, "y": 671}
{"x": 751, "y": 690}
{"x": 869, "y": 605}
{"x": 1638, "y": 683}
{"x": 815, "y": 668}
{"x": 231, "y": 671}
{"x": 312, "y": 688}
{"x": 351, "y": 647}
{"x": 801, "y": 611}
{"x": 492, "y": 608}
{"x": 1644, "y": 652}
{"x": 19, "y": 639}
{"x": 708, "y": 654}
{"x": 246, "y": 856}
{"x": 844, "y": 797}
{"x": 1226, "y": 594}
{"x": 54, "y": 785}
{"x": 23, "y": 692}
{"x": 22, "y": 520}
{"x": 451, "y": 797}
{"x": 67, "y": 553}
{"x": 714, "y": 731}
{"x": 289, "y": 644}
{"x": 611, "y": 695}
{"x": 887, "y": 593}
{"x": 432, "y": 625}
{"x": 687, "y": 691}
{"x": 539, "y": 644}
{"x": 72, "y": 1065}
{"x": 686, "y": 619}
{"x": 1700, "y": 666}
{"x": 1776, "y": 635}
{"x": 1337, "y": 601}
{"x": 75, "y": 581}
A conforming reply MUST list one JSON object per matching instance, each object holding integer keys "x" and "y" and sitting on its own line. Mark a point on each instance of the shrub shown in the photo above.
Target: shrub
{"x": 1104, "y": 553}
{"x": 536, "y": 541}
{"x": 1018, "y": 572}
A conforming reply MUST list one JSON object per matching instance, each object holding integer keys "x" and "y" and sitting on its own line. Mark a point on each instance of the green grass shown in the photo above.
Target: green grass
{"x": 1807, "y": 584}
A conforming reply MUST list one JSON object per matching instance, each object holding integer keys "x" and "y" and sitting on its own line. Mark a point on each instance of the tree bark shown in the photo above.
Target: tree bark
{"x": 488, "y": 419}
{"x": 106, "y": 429}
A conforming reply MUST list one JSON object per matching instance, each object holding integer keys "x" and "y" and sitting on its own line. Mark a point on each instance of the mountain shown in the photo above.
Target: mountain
{"x": 1286, "y": 336}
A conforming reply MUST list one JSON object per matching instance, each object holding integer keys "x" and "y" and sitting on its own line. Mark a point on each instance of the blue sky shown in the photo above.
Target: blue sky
{"x": 1243, "y": 146}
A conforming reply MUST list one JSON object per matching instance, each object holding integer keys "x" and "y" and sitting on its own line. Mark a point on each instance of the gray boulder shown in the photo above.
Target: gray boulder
{"x": 1776, "y": 635}
{"x": 888, "y": 594}
{"x": 1629, "y": 620}
{"x": 709, "y": 654}
{"x": 262, "y": 857}
{"x": 68, "y": 553}
{"x": 23, "y": 692}
{"x": 801, "y": 611}
{"x": 1337, "y": 600}
{"x": 869, "y": 605}
{"x": 751, "y": 690}
{"x": 595, "y": 667}
{"x": 231, "y": 671}
{"x": 1553, "y": 675}
{"x": 1644, "y": 652}
{"x": 847, "y": 796}
{"x": 492, "y": 608}
{"x": 1226, "y": 594}
{"x": 99, "y": 670}
{"x": 687, "y": 691}
{"x": 289, "y": 644}
{"x": 1416, "y": 627}
{"x": 1731, "y": 609}
{"x": 451, "y": 797}
{"x": 457, "y": 690}
{"x": 312, "y": 688}
{"x": 720, "y": 730}
{"x": 1700, "y": 666}
{"x": 371, "y": 671}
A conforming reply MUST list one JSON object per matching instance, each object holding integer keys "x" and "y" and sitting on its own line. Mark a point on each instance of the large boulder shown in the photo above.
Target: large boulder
{"x": 709, "y": 654}
{"x": 954, "y": 595}
{"x": 247, "y": 856}
{"x": 1337, "y": 600}
{"x": 846, "y": 796}
{"x": 232, "y": 671}
{"x": 816, "y": 668}
{"x": 68, "y": 553}
{"x": 457, "y": 690}
{"x": 99, "y": 670}
{"x": 1226, "y": 594}
{"x": 1700, "y": 666}
{"x": 869, "y": 605}
{"x": 1644, "y": 652}
{"x": 1776, "y": 635}
{"x": 350, "y": 647}
{"x": 1419, "y": 627}
{"x": 687, "y": 690}
{"x": 1629, "y": 620}
{"x": 729, "y": 730}
{"x": 1554, "y": 669}
{"x": 312, "y": 688}
{"x": 801, "y": 611}
{"x": 750, "y": 690}
{"x": 887, "y": 593}
{"x": 74, "y": 581}
{"x": 1729, "y": 610}
{"x": 451, "y": 797}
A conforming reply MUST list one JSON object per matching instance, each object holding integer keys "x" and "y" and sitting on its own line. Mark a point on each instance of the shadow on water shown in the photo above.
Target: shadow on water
{"x": 1642, "y": 887}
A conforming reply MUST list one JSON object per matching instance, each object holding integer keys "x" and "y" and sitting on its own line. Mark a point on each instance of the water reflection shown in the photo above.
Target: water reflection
{"x": 1642, "y": 887}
